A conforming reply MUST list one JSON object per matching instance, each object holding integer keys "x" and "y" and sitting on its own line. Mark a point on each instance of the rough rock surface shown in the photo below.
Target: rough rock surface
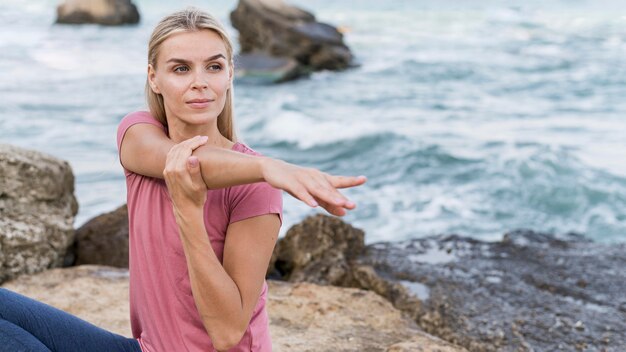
{"x": 274, "y": 29}
{"x": 37, "y": 208}
{"x": 303, "y": 317}
{"x": 528, "y": 292}
{"x": 308, "y": 317}
{"x": 106, "y": 12}
{"x": 104, "y": 240}
{"x": 320, "y": 250}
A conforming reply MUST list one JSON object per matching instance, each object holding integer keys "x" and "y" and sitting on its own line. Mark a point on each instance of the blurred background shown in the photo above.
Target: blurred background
{"x": 472, "y": 117}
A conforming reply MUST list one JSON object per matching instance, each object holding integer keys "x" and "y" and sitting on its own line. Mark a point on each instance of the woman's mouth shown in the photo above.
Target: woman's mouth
{"x": 199, "y": 103}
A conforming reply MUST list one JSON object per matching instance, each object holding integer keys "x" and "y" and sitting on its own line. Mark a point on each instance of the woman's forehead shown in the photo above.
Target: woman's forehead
{"x": 196, "y": 45}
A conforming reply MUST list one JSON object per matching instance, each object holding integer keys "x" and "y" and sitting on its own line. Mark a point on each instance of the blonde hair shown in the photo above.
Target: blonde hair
{"x": 190, "y": 20}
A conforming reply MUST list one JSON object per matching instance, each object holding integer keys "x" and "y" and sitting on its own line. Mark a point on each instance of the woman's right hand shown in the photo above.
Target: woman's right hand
{"x": 311, "y": 186}
{"x": 182, "y": 175}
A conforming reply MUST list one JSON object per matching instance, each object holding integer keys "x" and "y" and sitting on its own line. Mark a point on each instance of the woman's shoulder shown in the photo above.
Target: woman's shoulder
{"x": 140, "y": 116}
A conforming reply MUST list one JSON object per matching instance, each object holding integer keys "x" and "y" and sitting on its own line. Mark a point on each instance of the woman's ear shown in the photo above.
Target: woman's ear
{"x": 152, "y": 79}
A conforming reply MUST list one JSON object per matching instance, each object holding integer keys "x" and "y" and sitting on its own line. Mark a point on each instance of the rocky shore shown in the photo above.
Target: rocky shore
{"x": 329, "y": 291}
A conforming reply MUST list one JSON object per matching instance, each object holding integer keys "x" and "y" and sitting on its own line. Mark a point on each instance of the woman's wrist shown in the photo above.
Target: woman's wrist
{"x": 188, "y": 212}
{"x": 266, "y": 166}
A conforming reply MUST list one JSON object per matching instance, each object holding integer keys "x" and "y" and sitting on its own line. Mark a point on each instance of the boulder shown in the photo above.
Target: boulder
{"x": 37, "y": 209}
{"x": 303, "y": 316}
{"x": 320, "y": 249}
{"x": 104, "y": 240}
{"x": 272, "y": 29}
{"x": 106, "y": 12}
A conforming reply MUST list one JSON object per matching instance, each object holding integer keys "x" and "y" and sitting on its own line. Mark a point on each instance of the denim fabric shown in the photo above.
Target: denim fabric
{"x": 27, "y": 325}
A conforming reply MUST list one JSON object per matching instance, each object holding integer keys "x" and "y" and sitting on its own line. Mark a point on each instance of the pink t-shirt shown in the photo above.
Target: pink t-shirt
{"x": 163, "y": 314}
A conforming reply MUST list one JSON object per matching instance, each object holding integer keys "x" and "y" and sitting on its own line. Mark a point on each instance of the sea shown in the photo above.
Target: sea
{"x": 471, "y": 117}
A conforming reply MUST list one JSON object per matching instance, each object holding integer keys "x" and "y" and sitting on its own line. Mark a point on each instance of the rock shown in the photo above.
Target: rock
{"x": 303, "y": 317}
{"x": 259, "y": 67}
{"x": 520, "y": 294}
{"x": 308, "y": 317}
{"x": 37, "y": 209}
{"x": 271, "y": 28}
{"x": 104, "y": 240}
{"x": 530, "y": 291}
{"x": 106, "y": 12}
{"x": 319, "y": 250}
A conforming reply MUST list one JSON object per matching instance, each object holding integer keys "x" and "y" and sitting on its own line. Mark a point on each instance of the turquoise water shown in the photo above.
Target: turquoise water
{"x": 471, "y": 117}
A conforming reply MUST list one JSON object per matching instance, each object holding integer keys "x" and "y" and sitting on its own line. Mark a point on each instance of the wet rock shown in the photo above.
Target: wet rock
{"x": 520, "y": 294}
{"x": 274, "y": 29}
{"x": 303, "y": 317}
{"x": 262, "y": 68}
{"x": 106, "y": 12}
{"x": 103, "y": 240}
{"x": 37, "y": 209}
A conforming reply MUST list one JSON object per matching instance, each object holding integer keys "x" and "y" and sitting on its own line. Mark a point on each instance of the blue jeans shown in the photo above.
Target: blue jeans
{"x": 27, "y": 325}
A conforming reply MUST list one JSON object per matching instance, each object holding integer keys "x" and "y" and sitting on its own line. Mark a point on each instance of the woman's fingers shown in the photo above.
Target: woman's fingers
{"x": 331, "y": 208}
{"x": 346, "y": 181}
{"x": 323, "y": 189}
{"x": 194, "y": 142}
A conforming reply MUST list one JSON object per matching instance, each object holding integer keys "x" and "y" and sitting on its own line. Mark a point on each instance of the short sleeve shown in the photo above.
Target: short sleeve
{"x": 132, "y": 119}
{"x": 247, "y": 201}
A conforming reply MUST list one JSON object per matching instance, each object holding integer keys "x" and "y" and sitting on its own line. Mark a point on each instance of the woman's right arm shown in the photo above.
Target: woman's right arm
{"x": 144, "y": 150}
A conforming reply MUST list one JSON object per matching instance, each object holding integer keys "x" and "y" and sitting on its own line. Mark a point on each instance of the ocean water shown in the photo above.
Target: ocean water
{"x": 468, "y": 117}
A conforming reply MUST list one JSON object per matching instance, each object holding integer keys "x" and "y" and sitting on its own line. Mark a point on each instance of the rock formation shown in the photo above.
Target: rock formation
{"x": 286, "y": 40}
{"x": 528, "y": 292}
{"x": 303, "y": 317}
{"x": 37, "y": 208}
{"x": 106, "y": 12}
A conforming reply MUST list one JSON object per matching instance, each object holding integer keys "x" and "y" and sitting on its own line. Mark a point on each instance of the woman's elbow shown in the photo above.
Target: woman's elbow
{"x": 226, "y": 341}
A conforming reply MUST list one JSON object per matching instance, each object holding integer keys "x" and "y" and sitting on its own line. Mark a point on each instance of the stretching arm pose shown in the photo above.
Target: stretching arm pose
{"x": 223, "y": 168}
{"x": 189, "y": 88}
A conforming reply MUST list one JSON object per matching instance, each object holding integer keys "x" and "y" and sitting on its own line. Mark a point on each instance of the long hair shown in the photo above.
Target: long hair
{"x": 190, "y": 20}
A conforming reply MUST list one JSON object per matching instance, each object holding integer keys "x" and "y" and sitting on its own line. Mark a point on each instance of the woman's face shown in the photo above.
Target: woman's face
{"x": 193, "y": 75}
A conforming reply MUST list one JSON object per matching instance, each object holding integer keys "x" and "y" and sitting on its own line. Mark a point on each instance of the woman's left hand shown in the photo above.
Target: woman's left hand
{"x": 182, "y": 175}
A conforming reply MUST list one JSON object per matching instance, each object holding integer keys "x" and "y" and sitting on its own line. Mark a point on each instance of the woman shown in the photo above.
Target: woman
{"x": 201, "y": 239}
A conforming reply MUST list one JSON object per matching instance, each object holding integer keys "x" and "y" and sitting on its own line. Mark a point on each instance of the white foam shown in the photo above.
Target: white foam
{"x": 307, "y": 131}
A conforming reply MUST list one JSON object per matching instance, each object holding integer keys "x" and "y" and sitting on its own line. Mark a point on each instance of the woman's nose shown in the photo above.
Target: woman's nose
{"x": 200, "y": 81}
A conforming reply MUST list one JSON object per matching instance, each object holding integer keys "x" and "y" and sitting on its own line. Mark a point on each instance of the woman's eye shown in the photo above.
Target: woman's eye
{"x": 214, "y": 67}
{"x": 181, "y": 69}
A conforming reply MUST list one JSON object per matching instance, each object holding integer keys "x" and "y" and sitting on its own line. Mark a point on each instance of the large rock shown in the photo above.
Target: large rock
{"x": 104, "y": 240}
{"x": 37, "y": 208}
{"x": 528, "y": 292}
{"x": 303, "y": 317}
{"x": 273, "y": 29}
{"x": 320, "y": 249}
{"x": 106, "y": 12}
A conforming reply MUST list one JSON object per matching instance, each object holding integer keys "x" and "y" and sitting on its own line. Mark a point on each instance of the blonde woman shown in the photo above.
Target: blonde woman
{"x": 204, "y": 213}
